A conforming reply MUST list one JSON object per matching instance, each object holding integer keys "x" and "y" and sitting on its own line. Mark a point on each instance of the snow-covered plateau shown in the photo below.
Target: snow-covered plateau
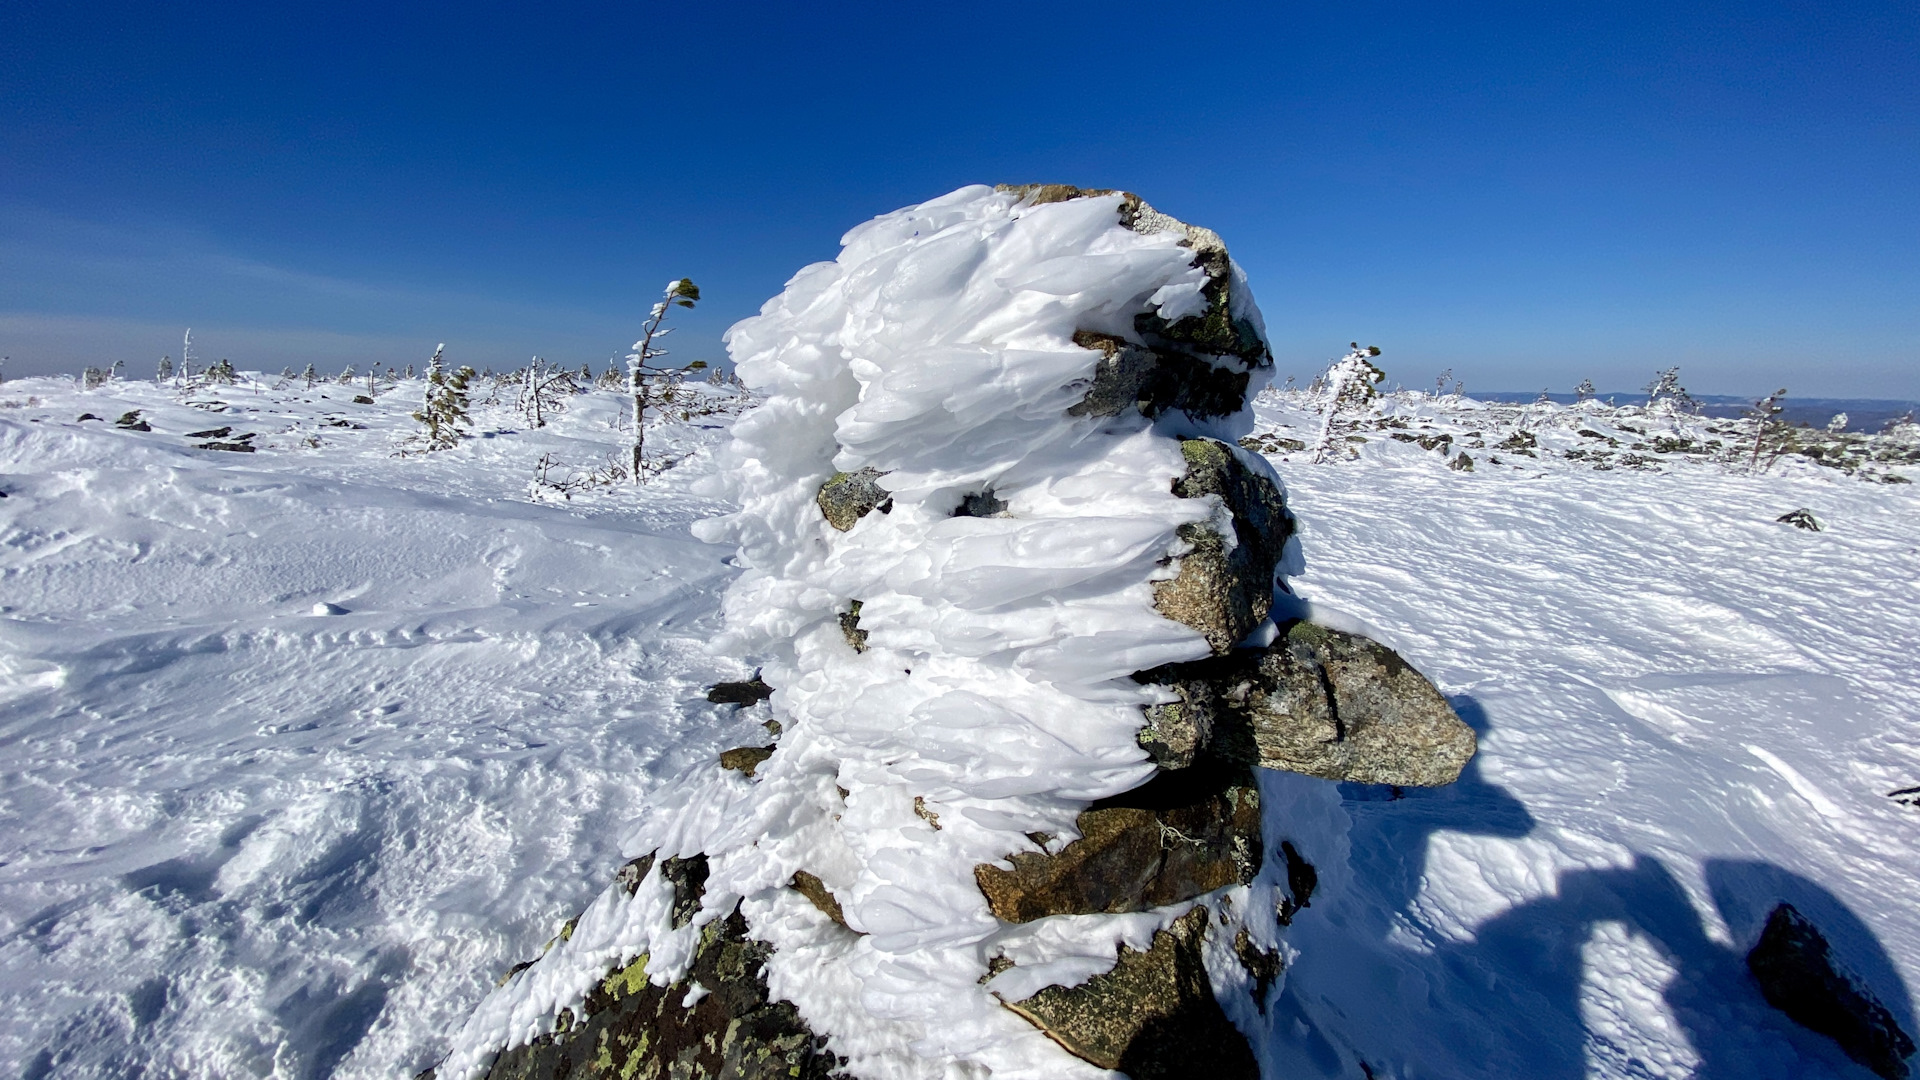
{"x": 302, "y": 749}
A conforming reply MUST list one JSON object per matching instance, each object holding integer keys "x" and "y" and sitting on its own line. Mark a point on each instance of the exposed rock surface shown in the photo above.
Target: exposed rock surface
{"x": 751, "y": 692}
{"x": 1224, "y": 588}
{"x": 745, "y": 759}
{"x": 847, "y": 497}
{"x": 1181, "y": 835}
{"x": 1153, "y": 1017}
{"x": 1796, "y": 975}
{"x": 632, "y": 1030}
{"x": 1319, "y": 702}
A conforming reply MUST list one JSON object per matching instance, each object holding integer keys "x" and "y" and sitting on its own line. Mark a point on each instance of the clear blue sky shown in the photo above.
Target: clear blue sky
{"x": 1529, "y": 194}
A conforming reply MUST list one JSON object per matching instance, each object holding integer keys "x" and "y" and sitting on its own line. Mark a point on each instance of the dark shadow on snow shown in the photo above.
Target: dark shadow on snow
{"x": 1527, "y": 963}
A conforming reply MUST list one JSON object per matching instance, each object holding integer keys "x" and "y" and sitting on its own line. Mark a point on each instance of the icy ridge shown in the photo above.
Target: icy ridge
{"x": 989, "y": 700}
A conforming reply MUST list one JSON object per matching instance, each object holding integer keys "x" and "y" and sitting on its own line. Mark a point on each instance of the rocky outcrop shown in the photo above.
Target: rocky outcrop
{"x": 715, "y": 1023}
{"x": 1153, "y": 1016}
{"x": 1791, "y": 963}
{"x": 1317, "y": 701}
{"x": 1224, "y": 588}
{"x": 1182, "y": 835}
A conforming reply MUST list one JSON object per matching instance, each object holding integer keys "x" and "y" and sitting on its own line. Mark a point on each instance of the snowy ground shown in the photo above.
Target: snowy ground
{"x": 238, "y": 838}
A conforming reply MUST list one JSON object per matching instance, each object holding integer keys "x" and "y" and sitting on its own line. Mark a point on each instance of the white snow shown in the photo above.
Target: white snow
{"x": 240, "y": 839}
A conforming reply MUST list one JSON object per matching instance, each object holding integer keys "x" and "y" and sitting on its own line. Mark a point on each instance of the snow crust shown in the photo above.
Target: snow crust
{"x": 992, "y": 696}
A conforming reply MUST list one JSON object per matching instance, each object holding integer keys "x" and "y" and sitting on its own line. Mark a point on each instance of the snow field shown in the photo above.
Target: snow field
{"x": 242, "y": 839}
{"x": 1688, "y": 712}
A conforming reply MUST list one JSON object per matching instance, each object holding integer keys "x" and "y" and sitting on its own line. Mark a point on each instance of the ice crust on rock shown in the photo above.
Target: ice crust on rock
{"x": 992, "y": 701}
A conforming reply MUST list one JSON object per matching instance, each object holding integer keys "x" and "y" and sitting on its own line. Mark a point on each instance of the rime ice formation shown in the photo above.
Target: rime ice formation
{"x": 992, "y": 487}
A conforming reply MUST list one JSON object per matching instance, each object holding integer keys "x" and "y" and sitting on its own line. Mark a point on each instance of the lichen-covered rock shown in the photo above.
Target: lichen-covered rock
{"x": 1323, "y": 703}
{"x": 1796, "y": 976}
{"x": 1226, "y": 590}
{"x": 632, "y": 1030}
{"x": 1182, "y": 834}
{"x": 850, "y": 628}
{"x": 1153, "y": 1016}
{"x": 847, "y": 497}
{"x": 745, "y": 759}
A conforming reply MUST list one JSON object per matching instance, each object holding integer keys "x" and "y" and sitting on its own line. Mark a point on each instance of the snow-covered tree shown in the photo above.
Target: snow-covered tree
{"x": 163, "y": 371}
{"x": 222, "y": 372}
{"x": 651, "y": 384}
{"x": 1770, "y": 435}
{"x": 544, "y": 389}
{"x": 434, "y": 374}
{"x": 1665, "y": 392}
{"x": 445, "y": 410}
{"x": 310, "y": 375}
{"x": 1585, "y": 391}
{"x": 1352, "y": 383}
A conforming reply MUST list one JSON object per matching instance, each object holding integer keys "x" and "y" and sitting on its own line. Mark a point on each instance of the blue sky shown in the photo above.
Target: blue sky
{"x": 1528, "y": 194}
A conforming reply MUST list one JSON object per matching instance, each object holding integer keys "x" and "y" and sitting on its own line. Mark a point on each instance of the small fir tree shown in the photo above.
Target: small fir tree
{"x": 434, "y": 375}
{"x": 445, "y": 412}
{"x": 1665, "y": 391}
{"x": 650, "y": 384}
{"x": 164, "y": 371}
{"x": 1770, "y": 434}
{"x": 1585, "y": 391}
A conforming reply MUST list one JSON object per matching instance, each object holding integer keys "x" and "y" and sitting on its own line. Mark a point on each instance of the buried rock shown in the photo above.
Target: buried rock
{"x": 1318, "y": 702}
{"x": 1153, "y": 1016}
{"x": 716, "y": 1022}
{"x": 1181, "y": 835}
{"x": 1796, "y": 976}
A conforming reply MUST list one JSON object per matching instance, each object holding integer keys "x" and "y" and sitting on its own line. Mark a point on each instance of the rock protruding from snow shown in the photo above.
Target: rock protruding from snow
{"x": 1183, "y": 835}
{"x": 847, "y": 497}
{"x": 716, "y": 1021}
{"x": 1152, "y": 1016}
{"x": 1225, "y": 585}
{"x": 1792, "y": 965}
{"x": 1317, "y": 701}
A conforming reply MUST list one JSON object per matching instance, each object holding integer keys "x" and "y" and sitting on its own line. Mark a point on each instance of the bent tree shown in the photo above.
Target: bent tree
{"x": 649, "y": 383}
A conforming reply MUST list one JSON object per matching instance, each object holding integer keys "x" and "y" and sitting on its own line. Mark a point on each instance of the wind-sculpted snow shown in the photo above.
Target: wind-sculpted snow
{"x": 991, "y": 693}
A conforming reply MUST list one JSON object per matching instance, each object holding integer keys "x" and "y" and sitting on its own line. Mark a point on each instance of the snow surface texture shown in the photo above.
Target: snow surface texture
{"x": 993, "y": 692}
{"x": 224, "y": 856}
{"x": 239, "y": 838}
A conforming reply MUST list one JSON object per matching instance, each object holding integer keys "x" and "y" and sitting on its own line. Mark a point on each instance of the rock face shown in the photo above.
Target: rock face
{"x": 1182, "y": 835}
{"x": 629, "y": 1029}
{"x": 1317, "y": 701}
{"x": 1153, "y": 1017}
{"x": 1792, "y": 966}
{"x": 1225, "y": 585}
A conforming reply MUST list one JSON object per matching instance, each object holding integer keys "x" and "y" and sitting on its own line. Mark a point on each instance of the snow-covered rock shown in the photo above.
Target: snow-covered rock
{"x": 993, "y": 481}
